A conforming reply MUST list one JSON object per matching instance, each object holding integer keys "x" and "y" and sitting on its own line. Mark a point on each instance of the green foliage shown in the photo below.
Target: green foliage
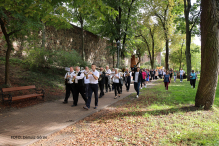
{"x": 40, "y": 58}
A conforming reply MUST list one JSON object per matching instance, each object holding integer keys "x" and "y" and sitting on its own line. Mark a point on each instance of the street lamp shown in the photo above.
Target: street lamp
{"x": 118, "y": 47}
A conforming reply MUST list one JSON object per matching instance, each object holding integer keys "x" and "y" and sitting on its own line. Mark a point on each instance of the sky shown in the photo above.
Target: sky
{"x": 197, "y": 40}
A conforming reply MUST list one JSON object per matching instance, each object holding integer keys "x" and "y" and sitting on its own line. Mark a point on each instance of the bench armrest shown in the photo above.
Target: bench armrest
{"x": 6, "y": 96}
{"x": 41, "y": 91}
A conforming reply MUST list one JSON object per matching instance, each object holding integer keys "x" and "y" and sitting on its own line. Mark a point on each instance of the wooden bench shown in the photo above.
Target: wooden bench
{"x": 10, "y": 98}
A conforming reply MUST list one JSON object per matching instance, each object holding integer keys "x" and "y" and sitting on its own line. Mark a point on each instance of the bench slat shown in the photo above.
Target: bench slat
{"x": 25, "y": 96}
{"x": 18, "y": 88}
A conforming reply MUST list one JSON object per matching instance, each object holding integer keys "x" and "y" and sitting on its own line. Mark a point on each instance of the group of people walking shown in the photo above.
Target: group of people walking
{"x": 87, "y": 82}
{"x": 168, "y": 76}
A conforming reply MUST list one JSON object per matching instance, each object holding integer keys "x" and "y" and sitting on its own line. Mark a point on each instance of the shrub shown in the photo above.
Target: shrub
{"x": 41, "y": 58}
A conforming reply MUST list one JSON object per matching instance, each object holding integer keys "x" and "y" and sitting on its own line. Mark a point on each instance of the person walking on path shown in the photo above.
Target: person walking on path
{"x": 181, "y": 74}
{"x": 93, "y": 87}
{"x": 175, "y": 75}
{"x": 69, "y": 85}
{"x": 148, "y": 77}
{"x": 144, "y": 75}
{"x": 164, "y": 72}
{"x": 127, "y": 76}
{"x": 137, "y": 77}
{"x": 193, "y": 79}
{"x": 156, "y": 74}
{"x": 152, "y": 74}
{"x": 166, "y": 80}
{"x": 78, "y": 82}
{"x": 116, "y": 84}
{"x": 171, "y": 73}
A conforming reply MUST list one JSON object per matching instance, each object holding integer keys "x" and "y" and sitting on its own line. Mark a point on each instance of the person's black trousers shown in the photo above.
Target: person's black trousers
{"x": 152, "y": 76}
{"x": 77, "y": 90}
{"x": 86, "y": 89}
{"x": 101, "y": 86}
{"x": 107, "y": 85}
{"x": 120, "y": 87}
{"x": 127, "y": 83}
{"x": 92, "y": 88}
{"x": 69, "y": 89}
{"x": 116, "y": 88}
{"x": 192, "y": 82}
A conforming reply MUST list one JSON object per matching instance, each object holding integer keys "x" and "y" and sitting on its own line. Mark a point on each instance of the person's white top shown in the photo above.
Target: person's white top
{"x": 115, "y": 79}
{"x": 91, "y": 78}
{"x": 136, "y": 76}
{"x": 108, "y": 72}
{"x": 112, "y": 74}
{"x": 164, "y": 73}
{"x": 78, "y": 77}
{"x": 69, "y": 79}
{"x": 181, "y": 72}
{"x": 127, "y": 73}
{"x": 86, "y": 81}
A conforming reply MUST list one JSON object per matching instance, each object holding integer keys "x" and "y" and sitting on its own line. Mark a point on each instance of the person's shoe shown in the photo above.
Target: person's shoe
{"x": 127, "y": 90}
{"x": 100, "y": 96}
{"x": 84, "y": 107}
{"x": 136, "y": 96}
{"x": 65, "y": 102}
{"x": 191, "y": 86}
{"x": 73, "y": 105}
{"x": 95, "y": 107}
{"x": 141, "y": 88}
{"x": 109, "y": 89}
{"x": 106, "y": 92}
{"x": 115, "y": 97}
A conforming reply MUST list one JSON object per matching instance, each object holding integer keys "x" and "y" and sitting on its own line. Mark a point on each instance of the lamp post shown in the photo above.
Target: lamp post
{"x": 118, "y": 47}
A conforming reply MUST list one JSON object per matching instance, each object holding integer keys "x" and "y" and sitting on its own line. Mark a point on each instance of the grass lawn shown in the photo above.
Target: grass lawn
{"x": 157, "y": 117}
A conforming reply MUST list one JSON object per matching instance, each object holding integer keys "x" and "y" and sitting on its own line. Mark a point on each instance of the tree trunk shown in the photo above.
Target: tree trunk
{"x": 8, "y": 52}
{"x": 209, "y": 46}
{"x": 43, "y": 36}
{"x": 187, "y": 7}
{"x": 181, "y": 56}
{"x": 167, "y": 54}
{"x": 82, "y": 40}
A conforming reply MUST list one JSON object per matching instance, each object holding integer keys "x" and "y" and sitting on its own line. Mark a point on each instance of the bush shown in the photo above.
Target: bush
{"x": 41, "y": 58}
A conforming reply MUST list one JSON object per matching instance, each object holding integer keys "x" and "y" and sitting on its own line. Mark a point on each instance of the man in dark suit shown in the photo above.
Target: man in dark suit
{"x": 101, "y": 81}
{"x": 137, "y": 77}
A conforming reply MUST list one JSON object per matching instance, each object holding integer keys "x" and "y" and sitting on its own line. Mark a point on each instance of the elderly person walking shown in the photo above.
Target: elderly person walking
{"x": 116, "y": 84}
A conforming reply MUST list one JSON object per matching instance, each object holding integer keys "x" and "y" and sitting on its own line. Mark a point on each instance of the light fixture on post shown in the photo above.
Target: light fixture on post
{"x": 118, "y": 47}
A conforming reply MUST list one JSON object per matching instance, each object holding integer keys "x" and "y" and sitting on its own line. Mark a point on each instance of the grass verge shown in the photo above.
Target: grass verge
{"x": 157, "y": 117}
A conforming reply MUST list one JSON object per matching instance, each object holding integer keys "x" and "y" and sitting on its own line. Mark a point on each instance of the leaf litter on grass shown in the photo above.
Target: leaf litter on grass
{"x": 142, "y": 122}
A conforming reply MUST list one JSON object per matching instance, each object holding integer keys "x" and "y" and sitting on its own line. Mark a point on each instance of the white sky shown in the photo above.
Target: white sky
{"x": 197, "y": 40}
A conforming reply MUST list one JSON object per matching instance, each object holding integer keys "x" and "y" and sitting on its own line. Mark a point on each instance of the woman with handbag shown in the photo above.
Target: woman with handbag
{"x": 166, "y": 80}
{"x": 116, "y": 84}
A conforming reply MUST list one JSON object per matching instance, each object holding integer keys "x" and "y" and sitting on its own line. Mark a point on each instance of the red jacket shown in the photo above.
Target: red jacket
{"x": 144, "y": 75}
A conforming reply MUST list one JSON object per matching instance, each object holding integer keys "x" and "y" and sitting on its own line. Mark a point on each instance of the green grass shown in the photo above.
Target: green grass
{"x": 188, "y": 127}
{"x": 157, "y": 117}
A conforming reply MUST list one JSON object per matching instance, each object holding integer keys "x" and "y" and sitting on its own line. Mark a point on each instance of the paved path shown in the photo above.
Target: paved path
{"x": 27, "y": 125}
